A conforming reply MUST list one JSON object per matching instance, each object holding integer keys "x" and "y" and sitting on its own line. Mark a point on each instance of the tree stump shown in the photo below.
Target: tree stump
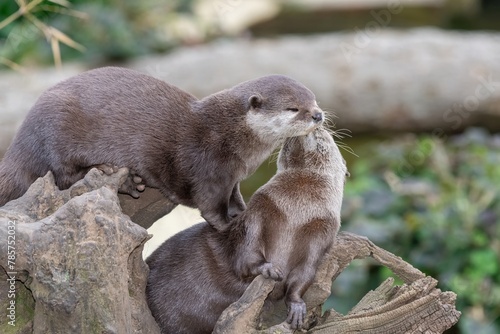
{"x": 77, "y": 264}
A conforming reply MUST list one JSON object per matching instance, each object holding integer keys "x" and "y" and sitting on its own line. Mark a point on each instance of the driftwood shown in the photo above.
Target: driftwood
{"x": 77, "y": 254}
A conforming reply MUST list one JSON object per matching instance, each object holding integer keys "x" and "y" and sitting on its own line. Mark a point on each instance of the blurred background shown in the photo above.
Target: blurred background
{"x": 413, "y": 85}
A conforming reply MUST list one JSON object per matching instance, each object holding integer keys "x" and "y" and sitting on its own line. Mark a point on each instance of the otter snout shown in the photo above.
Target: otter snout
{"x": 317, "y": 116}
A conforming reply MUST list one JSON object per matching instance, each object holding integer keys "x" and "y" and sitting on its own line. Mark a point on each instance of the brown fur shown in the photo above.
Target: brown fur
{"x": 194, "y": 151}
{"x": 289, "y": 225}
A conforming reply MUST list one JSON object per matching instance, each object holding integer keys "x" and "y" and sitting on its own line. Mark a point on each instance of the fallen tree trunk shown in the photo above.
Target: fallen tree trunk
{"x": 78, "y": 268}
{"x": 384, "y": 80}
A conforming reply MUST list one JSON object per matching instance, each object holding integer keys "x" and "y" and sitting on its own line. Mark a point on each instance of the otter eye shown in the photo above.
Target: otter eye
{"x": 292, "y": 109}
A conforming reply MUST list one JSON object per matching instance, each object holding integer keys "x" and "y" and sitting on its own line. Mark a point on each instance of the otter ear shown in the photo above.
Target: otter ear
{"x": 255, "y": 101}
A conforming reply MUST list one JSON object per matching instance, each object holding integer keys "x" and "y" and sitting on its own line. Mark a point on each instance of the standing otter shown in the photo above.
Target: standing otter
{"x": 194, "y": 151}
{"x": 290, "y": 223}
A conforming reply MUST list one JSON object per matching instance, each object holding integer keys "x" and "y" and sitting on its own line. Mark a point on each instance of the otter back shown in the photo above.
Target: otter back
{"x": 194, "y": 151}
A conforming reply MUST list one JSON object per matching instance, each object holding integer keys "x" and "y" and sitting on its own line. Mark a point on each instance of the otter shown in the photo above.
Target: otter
{"x": 194, "y": 151}
{"x": 288, "y": 226}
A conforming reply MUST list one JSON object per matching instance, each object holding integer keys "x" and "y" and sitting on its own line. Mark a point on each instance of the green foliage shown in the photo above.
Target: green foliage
{"x": 109, "y": 30}
{"x": 24, "y": 24}
{"x": 436, "y": 203}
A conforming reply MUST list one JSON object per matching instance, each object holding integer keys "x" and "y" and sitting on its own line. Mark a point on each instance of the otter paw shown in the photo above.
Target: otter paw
{"x": 296, "y": 314}
{"x": 233, "y": 212}
{"x": 107, "y": 169}
{"x": 269, "y": 271}
{"x": 133, "y": 185}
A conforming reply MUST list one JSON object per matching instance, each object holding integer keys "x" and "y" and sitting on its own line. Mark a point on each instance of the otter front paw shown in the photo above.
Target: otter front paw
{"x": 269, "y": 271}
{"x": 296, "y": 314}
{"x": 132, "y": 185}
{"x": 107, "y": 169}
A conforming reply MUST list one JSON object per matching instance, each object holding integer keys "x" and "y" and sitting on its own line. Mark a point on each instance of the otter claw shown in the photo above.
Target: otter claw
{"x": 134, "y": 194}
{"x": 296, "y": 314}
{"x": 133, "y": 184}
{"x": 268, "y": 271}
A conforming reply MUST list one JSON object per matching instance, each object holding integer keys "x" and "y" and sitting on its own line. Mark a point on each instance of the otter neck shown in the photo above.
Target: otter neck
{"x": 229, "y": 121}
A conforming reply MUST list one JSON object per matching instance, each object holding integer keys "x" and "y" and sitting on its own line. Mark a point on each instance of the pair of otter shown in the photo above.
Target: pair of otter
{"x": 288, "y": 226}
{"x": 194, "y": 151}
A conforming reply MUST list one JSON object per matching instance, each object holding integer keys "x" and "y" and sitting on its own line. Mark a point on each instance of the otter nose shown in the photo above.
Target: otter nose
{"x": 317, "y": 117}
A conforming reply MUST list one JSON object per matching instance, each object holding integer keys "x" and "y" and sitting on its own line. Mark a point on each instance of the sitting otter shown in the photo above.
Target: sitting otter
{"x": 194, "y": 151}
{"x": 289, "y": 224}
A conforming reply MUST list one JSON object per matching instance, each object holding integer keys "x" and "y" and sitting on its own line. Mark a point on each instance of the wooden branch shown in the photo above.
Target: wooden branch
{"x": 416, "y": 307}
{"x": 146, "y": 209}
{"x": 241, "y": 316}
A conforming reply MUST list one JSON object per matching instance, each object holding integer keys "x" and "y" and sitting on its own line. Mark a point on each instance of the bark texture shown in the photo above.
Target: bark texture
{"x": 78, "y": 265}
{"x": 146, "y": 209}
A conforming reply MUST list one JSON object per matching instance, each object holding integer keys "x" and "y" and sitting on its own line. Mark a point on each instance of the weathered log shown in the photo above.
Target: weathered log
{"x": 382, "y": 80}
{"x": 374, "y": 79}
{"x": 78, "y": 264}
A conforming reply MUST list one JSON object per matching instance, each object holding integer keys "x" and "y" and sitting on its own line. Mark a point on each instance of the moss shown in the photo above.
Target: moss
{"x": 24, "y": 312}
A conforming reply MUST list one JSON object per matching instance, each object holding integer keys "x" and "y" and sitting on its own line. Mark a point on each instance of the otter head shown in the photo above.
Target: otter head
{"x": 279, "y": 107}
{"x": 316, "y": 150}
